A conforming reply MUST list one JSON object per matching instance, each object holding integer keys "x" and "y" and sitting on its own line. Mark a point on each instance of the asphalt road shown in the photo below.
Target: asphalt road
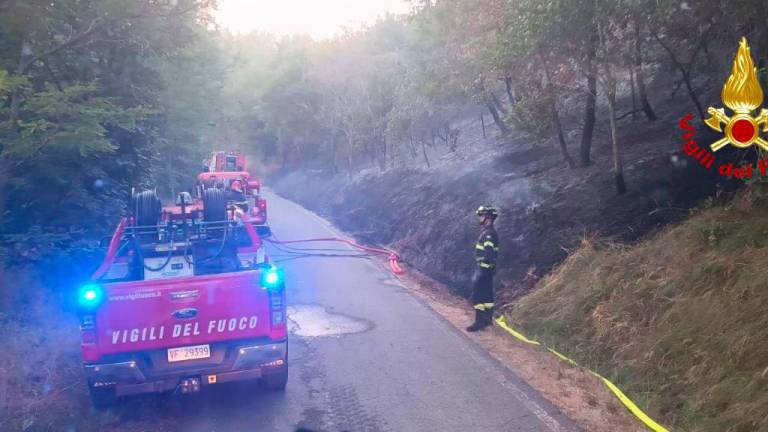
{"x": 364, "y": 355}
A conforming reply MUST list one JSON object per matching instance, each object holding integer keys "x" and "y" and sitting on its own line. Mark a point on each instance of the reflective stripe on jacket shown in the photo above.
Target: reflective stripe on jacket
{"x": 487, "y": 248}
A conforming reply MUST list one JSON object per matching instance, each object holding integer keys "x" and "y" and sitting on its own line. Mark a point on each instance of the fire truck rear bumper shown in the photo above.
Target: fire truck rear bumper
{"x": 249, "y": 362}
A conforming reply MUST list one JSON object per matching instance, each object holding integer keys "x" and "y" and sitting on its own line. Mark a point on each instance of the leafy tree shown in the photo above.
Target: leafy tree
{"x": 289, "y": 102}
{"x": 83, "y": 115}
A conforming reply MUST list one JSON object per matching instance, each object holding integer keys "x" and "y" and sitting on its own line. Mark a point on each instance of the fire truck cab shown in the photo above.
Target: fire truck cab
{"x": 226, "y": 162}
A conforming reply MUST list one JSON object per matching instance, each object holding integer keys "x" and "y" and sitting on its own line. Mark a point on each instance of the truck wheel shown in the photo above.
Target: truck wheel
{"x": 214, "y": 205}
{"x": 102, "y": 398}
{"x": 276, "y": 381}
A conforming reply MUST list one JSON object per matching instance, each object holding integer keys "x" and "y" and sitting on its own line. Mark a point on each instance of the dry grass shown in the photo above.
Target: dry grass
{"x": 39, "y": 359}
{"x": 679, "y": 321}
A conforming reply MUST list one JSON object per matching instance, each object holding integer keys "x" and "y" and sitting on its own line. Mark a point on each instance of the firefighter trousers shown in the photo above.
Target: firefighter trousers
{"x": 482, "y": 296}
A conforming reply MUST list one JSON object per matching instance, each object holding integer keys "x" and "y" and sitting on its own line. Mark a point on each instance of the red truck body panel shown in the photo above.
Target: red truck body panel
{"x": 223, "y": 175}
{"x": 167, "y": 313}
{"x": 166, "y": 316}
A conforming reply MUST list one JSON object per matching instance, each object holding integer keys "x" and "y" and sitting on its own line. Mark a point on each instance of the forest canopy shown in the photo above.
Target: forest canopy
{"x": 102, "y": 96}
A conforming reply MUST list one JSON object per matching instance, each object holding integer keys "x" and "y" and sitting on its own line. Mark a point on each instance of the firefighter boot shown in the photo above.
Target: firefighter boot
{"x": 478, "y": 324}
{"x": 487, "y": 317}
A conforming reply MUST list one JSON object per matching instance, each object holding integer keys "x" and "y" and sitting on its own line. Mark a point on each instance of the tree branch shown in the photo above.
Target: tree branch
{"x": 627, "y": 114}
{"x": 43, "y": 143}
{"x": 93, "y": 28}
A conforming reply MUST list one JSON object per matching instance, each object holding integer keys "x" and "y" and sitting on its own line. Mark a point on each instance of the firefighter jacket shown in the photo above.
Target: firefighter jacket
{"x": 487, "y": 249}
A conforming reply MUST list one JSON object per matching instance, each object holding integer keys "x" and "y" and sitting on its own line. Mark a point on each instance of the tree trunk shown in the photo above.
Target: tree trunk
{"x": 383, "y": 154}
{"x": 585, "y": 148}
{"x": 685, "y": 69}
{"x": 498, "y": 103}
{"x": 640, "y": 77}
{"x": 350, "y": 143}
{"x": 557, "y": 128}
{"x": 482, "y": 123}
{"x": 411, "y": 146}
{"x": 373, "y": 155}
{"x": 705, "y": 48}
{"x": 632, "y": 89}
{"x": 508, "y": 86}
{"x": 618, "y": 168}
{"x": 424, "y": 152}
{"x": 692, "y": 94}
{"x": 496, "y": 117}
{"x": 334, "y": 167}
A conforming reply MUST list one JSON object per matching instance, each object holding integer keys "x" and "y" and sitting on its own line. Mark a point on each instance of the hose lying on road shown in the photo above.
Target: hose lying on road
{"x": 290, "y": 254}
{"x": 392, "y": 256}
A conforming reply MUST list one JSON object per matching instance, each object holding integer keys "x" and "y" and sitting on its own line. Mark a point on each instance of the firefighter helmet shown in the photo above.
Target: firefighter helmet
{"x": 487, "y": 210}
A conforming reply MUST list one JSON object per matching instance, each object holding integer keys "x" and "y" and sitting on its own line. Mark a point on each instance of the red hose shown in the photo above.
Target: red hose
{"x": 114, "y": 245}
{"x": 393, "y": 260}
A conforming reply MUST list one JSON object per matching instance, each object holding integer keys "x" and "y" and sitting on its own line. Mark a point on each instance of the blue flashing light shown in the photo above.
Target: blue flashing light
{"x": 271, "y": 278}
{"x": 90, "y": 296}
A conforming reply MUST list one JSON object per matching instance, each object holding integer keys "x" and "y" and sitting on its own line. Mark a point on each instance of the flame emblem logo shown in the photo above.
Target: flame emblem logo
{"x": 743, "y": 95}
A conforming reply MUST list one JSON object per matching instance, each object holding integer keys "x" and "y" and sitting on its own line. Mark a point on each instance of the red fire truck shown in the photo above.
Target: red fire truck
{"x": 227, "y": 171}
{"x": 185, "y": 298}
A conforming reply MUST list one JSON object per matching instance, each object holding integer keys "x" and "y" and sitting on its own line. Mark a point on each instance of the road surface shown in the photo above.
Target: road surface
{"x": 364, "y": 355}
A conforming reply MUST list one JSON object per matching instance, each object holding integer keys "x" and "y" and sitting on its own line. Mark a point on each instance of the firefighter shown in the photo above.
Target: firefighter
{"x": 486, "y": 251}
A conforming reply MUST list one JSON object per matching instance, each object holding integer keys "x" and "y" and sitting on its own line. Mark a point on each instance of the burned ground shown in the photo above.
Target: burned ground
{"x": 547, "y": 208}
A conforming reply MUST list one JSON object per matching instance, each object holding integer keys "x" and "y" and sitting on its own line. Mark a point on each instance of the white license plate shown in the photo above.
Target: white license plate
{"x": 189, "y": 353}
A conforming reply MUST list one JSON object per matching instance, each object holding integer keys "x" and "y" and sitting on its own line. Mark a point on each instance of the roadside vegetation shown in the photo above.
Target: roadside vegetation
{"x": 678, "y": 320}
{"x": 42, "y": 382}
{"x": 97, "y": 97}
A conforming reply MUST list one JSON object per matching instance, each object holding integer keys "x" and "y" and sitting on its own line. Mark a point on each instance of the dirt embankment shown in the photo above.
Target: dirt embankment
{"x": 547, "y": 208}
{"x": 678, "y": 321}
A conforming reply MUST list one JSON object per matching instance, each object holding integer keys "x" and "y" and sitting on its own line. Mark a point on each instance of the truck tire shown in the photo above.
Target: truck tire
{"x": 214, "y": 205}
{"x": 102, "y": 398}
{"x": 276, "y": 381}
{"x": 146, "y": 208}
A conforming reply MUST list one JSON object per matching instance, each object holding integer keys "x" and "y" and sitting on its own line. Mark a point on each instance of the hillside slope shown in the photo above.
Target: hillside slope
{"x": 547, "y": 208}
{"x": 680, "y": 320}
